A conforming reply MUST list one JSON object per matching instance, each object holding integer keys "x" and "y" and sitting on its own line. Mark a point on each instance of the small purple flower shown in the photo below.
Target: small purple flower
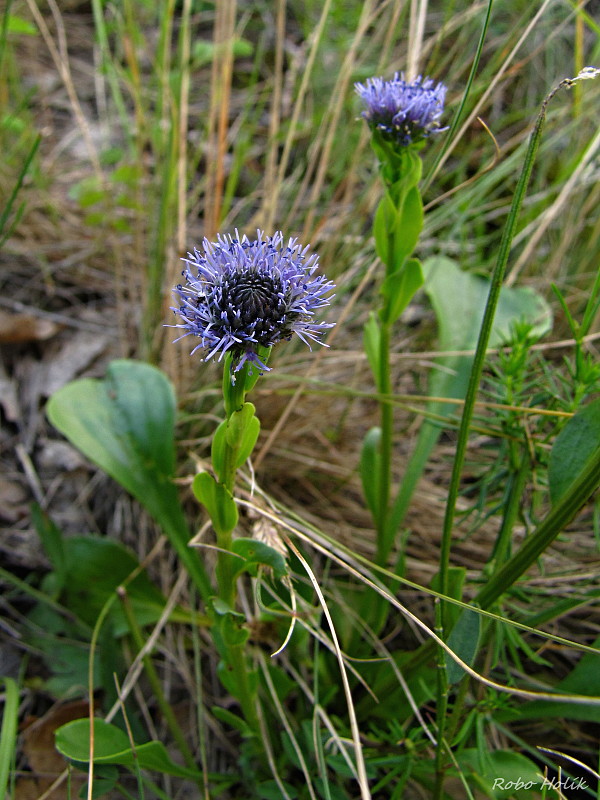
{"x": 405, "y": 113}
{"x": 240, "y": 295}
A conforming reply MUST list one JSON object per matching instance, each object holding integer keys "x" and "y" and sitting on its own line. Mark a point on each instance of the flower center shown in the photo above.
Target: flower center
{"x": 252, "y": 301}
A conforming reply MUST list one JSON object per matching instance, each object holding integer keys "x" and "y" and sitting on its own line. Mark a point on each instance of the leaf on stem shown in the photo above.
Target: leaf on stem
{"x": 399, "y": 288}
{"x": 217, "y": 500}
{"x": 370, "y": 469}
{"x": 257, "y": 553}
{"x": 371, "y": 342}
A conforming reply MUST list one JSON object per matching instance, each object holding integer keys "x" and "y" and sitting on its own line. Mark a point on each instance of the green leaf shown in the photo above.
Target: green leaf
{"x": 233, "y": 632}
{"x": 111, "y": 746}
{"x": 575, "y": 445}
{"x": 106, "y": 778}
{"x": 256, "y": 553}
{"x": 21, "y": 26}
{"x": 464, "y": 641}
{"x": 94, "y": 567}
{"x": 221, "y": 608}
{"x": 270, "y": 790}
{"x": 53, "y": 543}
{"x": 218, "y": 450}
{"x": 399, "y": 288}
{"x": 397, "y": 225}
{"x": 229, "y": 679}
{"x": 217, "y": 500}
{"x": 370, "y": 469}
{"x": 502, "y": 774}
{"x": 125, "y": 425}
{"x": 371, "y": 340}
{"x": 456, "y": 581}
{"x": 242, "y": 432}
{"x": 237, "y": 723}
{"x": 8, "y": 732}
{"x": 411, "y": 223}
{"x": 584, "y": 679}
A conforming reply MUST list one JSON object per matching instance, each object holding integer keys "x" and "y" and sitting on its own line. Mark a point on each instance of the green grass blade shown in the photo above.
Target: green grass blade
{"x": 8, "y": 733}
{"x": 17, "y": 187}
{"x": 484, "y": 336}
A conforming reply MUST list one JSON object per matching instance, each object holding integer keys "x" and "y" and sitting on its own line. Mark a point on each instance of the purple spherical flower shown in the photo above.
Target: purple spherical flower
{"x": 403, "y": 112}
{"x": 241, "y": 295}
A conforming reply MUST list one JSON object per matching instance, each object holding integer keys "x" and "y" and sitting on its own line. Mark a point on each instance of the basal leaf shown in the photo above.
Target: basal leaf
{"x": 111, "y": 746}
{"x": 125, "y": 425}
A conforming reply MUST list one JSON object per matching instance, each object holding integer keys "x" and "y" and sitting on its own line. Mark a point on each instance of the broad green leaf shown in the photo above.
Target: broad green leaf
{"x": 456, "y": 581}
{"x": 370, "y": 469}
{"x": 64, "y": 645}
{"x": 256, "y": 553}
{"x": 53, "y": 543}
{"x": 93, "y": 569}
{"x": 125, "y": 425}
{"x": 574, "y": 446}
{"x": 106, "y": 777}
{"x": 371, "y": 340}
{"x": 111, "y": 746}
{"x": 399, "y": 289}
{"x": 464, "y": 641}
{"x": 501, "y": 774}
{"x": 584, "y": 679}
{"x": 217, "y": 500}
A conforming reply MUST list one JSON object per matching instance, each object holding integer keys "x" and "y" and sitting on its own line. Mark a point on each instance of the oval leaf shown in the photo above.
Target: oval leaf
{"x": 574, "y": 446}
{"x": 464, "y": 641}
{"x": 111, "y": 746}
{"x": 125, "y": 424}
{"x": 255, "y": 553}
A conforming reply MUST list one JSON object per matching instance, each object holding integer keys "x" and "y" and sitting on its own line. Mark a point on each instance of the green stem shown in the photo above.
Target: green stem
{"x": 386, "y": 442}
{"x": 234, "y": 654}
{"x": 225, "y": 569}
{"x": 441, "y": 710}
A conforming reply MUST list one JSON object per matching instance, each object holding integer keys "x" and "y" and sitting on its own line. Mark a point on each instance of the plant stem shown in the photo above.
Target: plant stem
{"x": 386, "y": 442}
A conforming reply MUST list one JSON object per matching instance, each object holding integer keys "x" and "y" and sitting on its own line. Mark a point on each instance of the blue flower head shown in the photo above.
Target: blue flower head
{"x": 242, "y": 295}
{"x": 404, "y": 113}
